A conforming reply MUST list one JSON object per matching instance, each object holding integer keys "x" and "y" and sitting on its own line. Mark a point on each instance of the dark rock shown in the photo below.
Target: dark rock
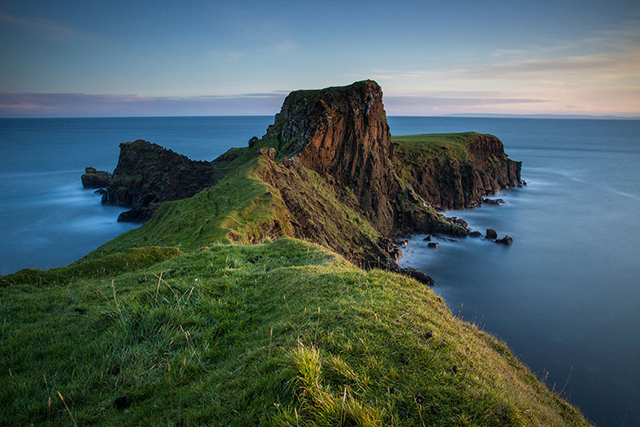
{"x": 475, "y": 234}
{"x": 396, "y": 254}
{"x": 427, "y": 239}
{"x": 253, "y": 141}
{"x": 491, "y": 234}
{"x": 419, "y": 275}
{"x": 100, "y": 191}
{"x": 122, "y": 402}
{"x": 493, "y": 201}
{"x": 148, "y": 174}
{"x": 433, "y": 245}
{"x": 93, "y": 178}
{"x": 506, "y": 240}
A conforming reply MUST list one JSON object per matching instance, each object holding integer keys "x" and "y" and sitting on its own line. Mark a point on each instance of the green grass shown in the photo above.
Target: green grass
{"x": 418, "y": 148}
{"x": 241, "y": 208}
{"x": 284, "y": 333}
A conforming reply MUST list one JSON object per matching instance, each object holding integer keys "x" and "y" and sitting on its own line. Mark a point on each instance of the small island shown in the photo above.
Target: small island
{"x": 263, "y": 288}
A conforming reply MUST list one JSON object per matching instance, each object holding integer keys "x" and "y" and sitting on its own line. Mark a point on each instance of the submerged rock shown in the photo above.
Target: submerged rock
{"x": 491, "y": 234}
{"x": 475, "y": 234}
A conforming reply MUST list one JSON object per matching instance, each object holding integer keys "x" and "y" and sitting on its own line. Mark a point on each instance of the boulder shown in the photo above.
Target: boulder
{"x": 433, "y": 245}
{"x": 491, "y": 234}
{"x": 427, "y": 239}
{"x": 419, "y": 275}
{"x": 506, "y": 240}
{"x": 475, "y": 234}
{"x": 495, "y": 202}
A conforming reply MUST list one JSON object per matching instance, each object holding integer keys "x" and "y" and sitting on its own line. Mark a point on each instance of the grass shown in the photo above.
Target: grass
{"x": 210, "y": 315}
{"x": 418, "y": 148}
{"x": 282, "y": 333}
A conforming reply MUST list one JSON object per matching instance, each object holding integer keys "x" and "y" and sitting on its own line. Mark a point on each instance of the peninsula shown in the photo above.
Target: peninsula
{"x": 263, "y": 288}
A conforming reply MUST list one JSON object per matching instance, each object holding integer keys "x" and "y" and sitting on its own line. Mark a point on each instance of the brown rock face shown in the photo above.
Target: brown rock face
{"x": 449, "y": 184}
{"x": 342, "y": 133}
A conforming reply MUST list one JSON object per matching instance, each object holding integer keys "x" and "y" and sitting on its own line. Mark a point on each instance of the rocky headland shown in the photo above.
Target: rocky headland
{"x": 344, "y": 182}
{"x": 241, "y": 301}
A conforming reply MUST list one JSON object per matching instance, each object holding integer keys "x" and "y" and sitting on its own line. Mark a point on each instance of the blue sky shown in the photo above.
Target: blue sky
{"x": 68, "y": 58}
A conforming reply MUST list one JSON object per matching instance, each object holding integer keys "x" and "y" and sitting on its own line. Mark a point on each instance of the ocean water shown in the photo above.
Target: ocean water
{"x": 564, "y": 296}
{"x": 46, "y": 218}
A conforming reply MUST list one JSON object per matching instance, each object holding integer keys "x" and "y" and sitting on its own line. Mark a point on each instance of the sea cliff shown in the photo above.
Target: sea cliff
{"x": 243, "y": 304}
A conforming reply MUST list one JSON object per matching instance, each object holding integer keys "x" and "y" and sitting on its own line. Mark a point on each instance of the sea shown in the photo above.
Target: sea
{"x": 565, "y": 296}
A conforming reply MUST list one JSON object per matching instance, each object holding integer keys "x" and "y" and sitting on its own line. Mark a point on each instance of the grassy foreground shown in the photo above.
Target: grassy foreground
{"x": 279, "y": 333}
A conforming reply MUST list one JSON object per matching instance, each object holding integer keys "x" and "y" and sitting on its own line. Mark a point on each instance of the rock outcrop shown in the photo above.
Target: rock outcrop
{"x": 458, "y": 171}
{"x": 148, "y": 174}
{"x": 342, "y": 133}
{"x": 93, "y": 178}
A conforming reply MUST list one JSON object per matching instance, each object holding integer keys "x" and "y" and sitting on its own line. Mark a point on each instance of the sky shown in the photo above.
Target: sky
{"x": 78, "y": 58}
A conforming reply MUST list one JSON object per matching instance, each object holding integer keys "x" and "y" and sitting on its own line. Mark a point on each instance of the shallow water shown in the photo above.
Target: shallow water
{"x": 564, "y": 296}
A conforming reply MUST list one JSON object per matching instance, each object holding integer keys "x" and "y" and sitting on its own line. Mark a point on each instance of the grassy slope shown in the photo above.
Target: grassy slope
{"x": 195, "y": 326}
{"x": 278, "y": 333}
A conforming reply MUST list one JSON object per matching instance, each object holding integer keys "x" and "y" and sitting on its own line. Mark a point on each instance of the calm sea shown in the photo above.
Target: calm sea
{"x": 564, "y": 296}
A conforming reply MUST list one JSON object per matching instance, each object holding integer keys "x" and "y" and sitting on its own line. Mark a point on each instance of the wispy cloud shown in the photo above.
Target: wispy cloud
{"x": 605, "y": 66}
{"x": 47, "y": 29}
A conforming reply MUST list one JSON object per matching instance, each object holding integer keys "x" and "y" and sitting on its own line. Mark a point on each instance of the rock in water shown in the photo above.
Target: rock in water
{"x": 491, "y": 234}
{"x": 433, "y": 245}
{"x": 93, "y": 178}
{"x": 506, "y": 240}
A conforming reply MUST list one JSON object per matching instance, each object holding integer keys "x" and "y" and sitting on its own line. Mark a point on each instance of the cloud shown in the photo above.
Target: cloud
{"x": 46, "y": 29}
{"x": 430, "y": 105}
{"x": 604, "y": 66}
{"x": 88, "y": 105}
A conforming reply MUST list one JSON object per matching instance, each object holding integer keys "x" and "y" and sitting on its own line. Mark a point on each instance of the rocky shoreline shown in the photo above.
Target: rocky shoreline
{"x": 344, "y": 181}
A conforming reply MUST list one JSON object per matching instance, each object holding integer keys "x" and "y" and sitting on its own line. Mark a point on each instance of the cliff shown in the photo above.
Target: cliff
{"x": 211, "y": 314}
{"x": 455, "y": 171}
{"x": 148, "y": 174}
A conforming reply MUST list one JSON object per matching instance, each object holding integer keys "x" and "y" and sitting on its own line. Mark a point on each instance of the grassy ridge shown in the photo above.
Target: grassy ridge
{"x": 284, "y": 333}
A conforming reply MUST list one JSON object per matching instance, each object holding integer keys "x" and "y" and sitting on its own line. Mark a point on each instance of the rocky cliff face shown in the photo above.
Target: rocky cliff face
{"x": 342, "y": 133}
{"x": 148, "y": 174}
{"x": 447, "y": 181}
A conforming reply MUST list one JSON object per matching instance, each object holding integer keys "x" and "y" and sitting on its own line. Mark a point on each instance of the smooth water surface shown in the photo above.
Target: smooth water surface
{"x": 46, "y": 218}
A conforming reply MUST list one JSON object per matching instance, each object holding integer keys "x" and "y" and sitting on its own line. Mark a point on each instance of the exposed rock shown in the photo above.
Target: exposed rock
{"x": 491, "y": 234}
{"x": 433, "y": 245}
{"x": 427, "y": 239}
{"x": 93, "y": 178}
{"x": 475, "y": 234}
{"x": 148, "y": 175}
{"x": 506, "y": 240}
{"x": 493, "y": 201}
{"x": 419, "y": 275}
